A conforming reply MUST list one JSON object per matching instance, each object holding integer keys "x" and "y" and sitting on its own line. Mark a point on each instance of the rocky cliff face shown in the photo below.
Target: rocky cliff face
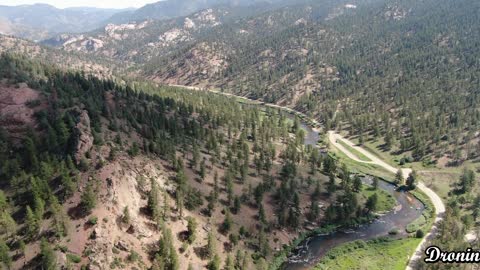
{"x": 85, "y": 138}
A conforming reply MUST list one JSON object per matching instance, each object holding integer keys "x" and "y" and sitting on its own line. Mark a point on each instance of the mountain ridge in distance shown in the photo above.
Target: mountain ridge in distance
{"x": 176, "y": 8}
{"x": 40, "y": 21}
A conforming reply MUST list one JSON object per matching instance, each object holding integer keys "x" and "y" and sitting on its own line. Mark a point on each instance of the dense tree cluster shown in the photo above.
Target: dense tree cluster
{"x": 41, "y": 173}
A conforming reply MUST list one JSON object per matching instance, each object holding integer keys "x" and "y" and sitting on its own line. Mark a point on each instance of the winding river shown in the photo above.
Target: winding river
{"x": 311, "y": 251}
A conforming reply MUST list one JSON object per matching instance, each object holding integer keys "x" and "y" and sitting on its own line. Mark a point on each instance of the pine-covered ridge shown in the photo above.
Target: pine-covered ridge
{"x": 398, "y": 71}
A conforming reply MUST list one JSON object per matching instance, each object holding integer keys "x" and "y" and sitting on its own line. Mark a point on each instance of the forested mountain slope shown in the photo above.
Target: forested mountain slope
{"x": 405, "y": 70}
{"x": 100, "y": 175}
{"x": 401, "y": 70}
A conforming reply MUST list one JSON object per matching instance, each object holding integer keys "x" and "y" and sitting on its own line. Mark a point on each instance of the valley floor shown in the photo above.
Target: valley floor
{"x": 335, "y": 140}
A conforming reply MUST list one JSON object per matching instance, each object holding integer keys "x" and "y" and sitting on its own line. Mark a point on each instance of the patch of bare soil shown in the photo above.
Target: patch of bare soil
{"x": 18, "y": 105}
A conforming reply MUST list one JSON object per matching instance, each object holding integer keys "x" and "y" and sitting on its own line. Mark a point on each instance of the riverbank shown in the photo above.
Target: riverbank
{"x": 378, "y": 254}
{"x": 381, "y": 253}
{"x": 436, "y": 201}
{"x": 282, "y": 256}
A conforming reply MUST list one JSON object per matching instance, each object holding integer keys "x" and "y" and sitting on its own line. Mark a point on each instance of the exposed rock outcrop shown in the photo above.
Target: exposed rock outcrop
{"x": 101, "y": 250}
{"x": 85, "y": 138}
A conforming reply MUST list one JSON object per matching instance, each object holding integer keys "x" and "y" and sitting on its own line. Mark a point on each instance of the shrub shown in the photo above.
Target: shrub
{"x": 393, "y": 231}
{"x": 193, "y": 200}
{"x": 83, "y": 165}
{"x": 74, "y": 258}
{"x": 133, "y": 256}
{"x": 419, "y": 234}
{"x": 93, "y": 220}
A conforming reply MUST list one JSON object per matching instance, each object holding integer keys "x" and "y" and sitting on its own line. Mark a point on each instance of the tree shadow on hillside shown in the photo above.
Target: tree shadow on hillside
{"x": 77, "y": 212}
{"x": 201, "y": 252}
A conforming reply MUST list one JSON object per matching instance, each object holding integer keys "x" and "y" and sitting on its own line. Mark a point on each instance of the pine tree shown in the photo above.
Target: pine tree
{"x": 31, "y": 155}
{"x": 3, "y": 201}
{"x": 331, "y": 187}
{"x": 216, "y": 188}
{"x": 410, "y": 182}
{"x": 375, "y": 182}
{"x": 246, "y": 261}
{"x": 229, "y": 265}
{"x": 180, "y": 200}
{"x": 357, "y": 184}
{"x": 48, "y": 259}
{"x": 195, "y": 157}
{"x": 211, "y": 245}
{"x": 166, "y": 257}
{"x": 314, "y": 210}
{"x": 331, "y": 213}
{"x": 372, "y": 202}
{"x": 292, "y": 218}
{"x": 191, "y": 228}
{"x": 152, "y": 203}
{"x": 88, "y": 199}
{"x": 211, "y": 203}
{"x": 68, "y": 186}
{"x": 467, "y": 181}
{"x": 264, "y": 247}
{"x": 237, "y": 204}
{"x": 126, "y": 215}
{"x": 229, "y": 187}
{"x": 166, "y": 207}
{"x": 227, "y": 222}
{"x": 60, "y": 219}
{"x": 261, "y": 214}
{"x": 8, "y": 226}
{"x": 214, "y": 263}
{"x": 399, "y": 178}
{"x": 261, "y": 264}
{"x": 39, "y": 206}
{"x": 21, "y": 247}
{"x": 238, "y": 259}
{"x": 4, "y": 254}
{"x": 202, "y": 170}
{"x": 32, "y": 223}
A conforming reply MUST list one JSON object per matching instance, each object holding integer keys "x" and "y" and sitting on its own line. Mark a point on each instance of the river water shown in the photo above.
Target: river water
{"x": 311, "y": 251}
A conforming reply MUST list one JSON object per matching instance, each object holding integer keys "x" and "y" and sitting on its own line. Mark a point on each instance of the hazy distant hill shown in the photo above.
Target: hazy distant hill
{"x": 40, "y": 20}
{"x": 175, "y": 8}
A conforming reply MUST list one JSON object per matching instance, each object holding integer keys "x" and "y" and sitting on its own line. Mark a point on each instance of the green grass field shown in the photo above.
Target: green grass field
{"x": 375, "y": 147}
{"x": 370, "y": 255}
{"x": 358, "y": 167}
{"x": 352, "y": 150}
